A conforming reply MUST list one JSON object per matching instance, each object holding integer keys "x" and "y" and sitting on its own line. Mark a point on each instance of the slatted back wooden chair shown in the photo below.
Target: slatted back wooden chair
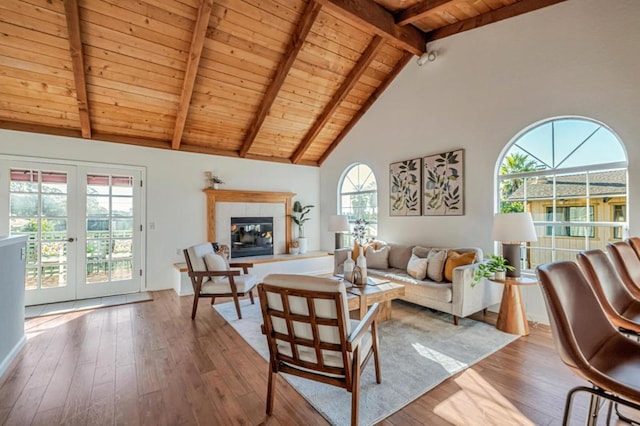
{"x": 309, "y": 333}
{"x": 627, "y": 265}
{"x": 618, "y": 303}
{"x": 212, "y": 276}
{"x": 587, "y": 342}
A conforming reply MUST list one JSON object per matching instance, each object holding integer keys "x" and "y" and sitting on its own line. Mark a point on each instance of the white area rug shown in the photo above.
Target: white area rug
{"x": 416, "y": 354}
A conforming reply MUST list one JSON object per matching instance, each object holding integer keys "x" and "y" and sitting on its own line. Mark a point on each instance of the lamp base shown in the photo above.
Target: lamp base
{"x": 511, "y": 252}
{"x": 338, "y": 240}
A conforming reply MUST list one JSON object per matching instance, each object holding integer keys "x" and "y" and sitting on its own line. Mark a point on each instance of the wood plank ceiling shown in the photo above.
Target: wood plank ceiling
{"x": 276, "y": 80}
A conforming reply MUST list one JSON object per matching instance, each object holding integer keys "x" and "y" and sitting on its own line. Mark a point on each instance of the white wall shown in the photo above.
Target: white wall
{"x": 574, "y": 58}
{"x": 176, "y": 204}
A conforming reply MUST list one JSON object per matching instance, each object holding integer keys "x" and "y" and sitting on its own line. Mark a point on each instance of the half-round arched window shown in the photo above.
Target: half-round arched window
{"x": 359, "y": 196}
{"x": 571, "y": 175}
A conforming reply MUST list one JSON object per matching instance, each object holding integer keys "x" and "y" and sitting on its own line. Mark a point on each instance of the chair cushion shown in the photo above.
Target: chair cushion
{"x": 215, "y": 262}
{"x": 196, "y": 256}
{"x": 323, "y": 308}
{"x": 244, "y": 283}
{"x": 330, "y": 358}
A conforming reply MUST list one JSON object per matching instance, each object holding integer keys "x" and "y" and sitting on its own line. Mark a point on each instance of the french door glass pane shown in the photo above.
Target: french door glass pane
{"x": 109, "y": 245}
{"x": 38, "y": 208}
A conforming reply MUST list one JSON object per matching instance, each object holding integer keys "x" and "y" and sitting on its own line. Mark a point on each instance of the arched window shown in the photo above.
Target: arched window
{"x": 571, "y": 175}
{"x": 359, "y": 196}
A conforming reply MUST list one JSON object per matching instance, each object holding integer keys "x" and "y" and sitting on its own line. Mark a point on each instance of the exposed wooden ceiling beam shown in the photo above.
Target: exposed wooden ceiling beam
{"x": 295, "y": 44}
{"x": 365, "y": 107}
{"x": 77, "y": 62}
{"x": 365, "y": 60}
{"x": 39, "y": 128}
{"x": 371, "y": 17}
{"x": 197, "y": 43}
{"x": 515, "y": 9}
{"x": 417, "y": 11}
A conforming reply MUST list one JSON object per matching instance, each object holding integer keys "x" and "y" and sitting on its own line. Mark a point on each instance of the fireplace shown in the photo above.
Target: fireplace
{"x": 251, "y": 236}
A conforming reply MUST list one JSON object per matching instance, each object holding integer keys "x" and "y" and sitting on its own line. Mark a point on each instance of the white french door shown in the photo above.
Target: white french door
{"x": 84, "y": 228}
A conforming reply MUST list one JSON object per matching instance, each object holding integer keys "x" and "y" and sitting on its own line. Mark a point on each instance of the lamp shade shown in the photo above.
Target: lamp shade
{"x": 513, "y": 227}
{"x": 339, "y": 223}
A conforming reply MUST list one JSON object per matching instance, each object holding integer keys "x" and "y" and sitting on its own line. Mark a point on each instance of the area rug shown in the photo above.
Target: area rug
{"x": 417, "y": 353}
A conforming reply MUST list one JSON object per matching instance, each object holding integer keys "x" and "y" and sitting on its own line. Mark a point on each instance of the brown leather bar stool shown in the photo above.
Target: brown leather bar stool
{"x": 634, "y": 242}
{"x": 587, "y": 341}
{"x": 627, "y": 265}
{"x": 618, "y": 303}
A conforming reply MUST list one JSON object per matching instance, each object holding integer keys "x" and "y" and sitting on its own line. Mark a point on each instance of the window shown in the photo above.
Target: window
{"x": 619, "y": 215}
{"x": 570, "y": 214}
{"x": 359, "y": 196}
{"x": 571, "y": 175}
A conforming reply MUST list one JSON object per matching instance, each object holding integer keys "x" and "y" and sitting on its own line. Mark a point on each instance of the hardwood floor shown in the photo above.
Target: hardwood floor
{"x": 150, "y": 364}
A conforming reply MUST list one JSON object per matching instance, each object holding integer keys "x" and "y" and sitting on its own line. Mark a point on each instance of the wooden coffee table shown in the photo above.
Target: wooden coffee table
{"x": 367, "y": 295}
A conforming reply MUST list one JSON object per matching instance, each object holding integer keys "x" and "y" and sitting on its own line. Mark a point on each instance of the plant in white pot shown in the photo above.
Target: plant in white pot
{"x": 299, "y": 217}
{"x": 496, "y": 268}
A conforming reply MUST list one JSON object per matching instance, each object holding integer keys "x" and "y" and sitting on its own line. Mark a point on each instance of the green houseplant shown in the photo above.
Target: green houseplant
{"x": 489, "y": 268}
{"x": 300, "y": 216}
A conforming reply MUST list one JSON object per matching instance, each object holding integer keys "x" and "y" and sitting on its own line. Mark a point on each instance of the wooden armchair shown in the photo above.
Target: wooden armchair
{"x": 212, "y": 276}
{"x": 309, "y": 333}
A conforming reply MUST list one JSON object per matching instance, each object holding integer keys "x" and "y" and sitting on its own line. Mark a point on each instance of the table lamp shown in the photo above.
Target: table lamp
{"x": 512, "y": 229}
{"x": 339, "y": 224}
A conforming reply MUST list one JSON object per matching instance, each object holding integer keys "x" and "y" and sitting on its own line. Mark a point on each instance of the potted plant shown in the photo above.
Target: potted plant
{"x": 299, "y": 217}
{"x": 215, "y": 182}
{"x": 496, "y": 268}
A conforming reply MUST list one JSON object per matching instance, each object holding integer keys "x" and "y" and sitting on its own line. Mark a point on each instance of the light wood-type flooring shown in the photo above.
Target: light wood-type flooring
{"x": 150, "y": 364}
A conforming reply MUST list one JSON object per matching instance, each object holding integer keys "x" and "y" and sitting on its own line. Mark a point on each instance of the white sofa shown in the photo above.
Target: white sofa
{"x": 460, "y": 298}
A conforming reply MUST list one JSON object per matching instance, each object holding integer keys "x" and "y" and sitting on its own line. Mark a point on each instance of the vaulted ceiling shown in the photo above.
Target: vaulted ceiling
{"x": 276, "y": 80}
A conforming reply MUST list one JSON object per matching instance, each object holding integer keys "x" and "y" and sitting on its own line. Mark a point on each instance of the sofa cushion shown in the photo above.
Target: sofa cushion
{"x": 435, "y": 264}
{"x": 417, "y": 267}
{"x": 455, "y": 259}
{"x": 378, "y": 258}
{"x": 399, "y": 255}
{"x": 440, "y": 292}
{"x": 421, "y": 251}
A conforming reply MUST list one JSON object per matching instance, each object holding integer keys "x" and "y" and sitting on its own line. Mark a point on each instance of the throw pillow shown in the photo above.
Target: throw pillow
{"x": 455, "y": 259}
{"x": 215, "y": 262}
{"x": 435, "y": 267}
{"x": 378, "y": 258}
{"x": 417, "y": 267}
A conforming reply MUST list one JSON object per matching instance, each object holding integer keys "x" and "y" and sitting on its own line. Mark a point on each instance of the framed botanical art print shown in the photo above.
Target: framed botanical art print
{"x": 443, "y": 184}
{"x": 404, "y": 188}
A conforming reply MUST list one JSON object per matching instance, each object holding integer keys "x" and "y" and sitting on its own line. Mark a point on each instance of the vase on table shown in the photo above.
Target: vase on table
{"x": 361, "y": 262}
{"x": 347, "y": 268}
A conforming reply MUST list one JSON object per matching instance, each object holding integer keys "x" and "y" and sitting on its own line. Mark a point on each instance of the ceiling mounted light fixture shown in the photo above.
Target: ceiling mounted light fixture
{"x": 427, "y": 57}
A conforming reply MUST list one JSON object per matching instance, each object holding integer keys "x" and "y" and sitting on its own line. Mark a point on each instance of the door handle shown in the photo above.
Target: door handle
{"x": 71, "y": 239}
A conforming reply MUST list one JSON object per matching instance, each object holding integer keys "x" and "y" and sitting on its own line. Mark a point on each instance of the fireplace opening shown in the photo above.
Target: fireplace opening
{"x": 251, "y": 236}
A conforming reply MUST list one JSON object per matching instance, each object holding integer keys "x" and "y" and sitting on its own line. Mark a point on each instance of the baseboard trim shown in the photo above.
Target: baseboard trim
{"x": 6, "y": 362}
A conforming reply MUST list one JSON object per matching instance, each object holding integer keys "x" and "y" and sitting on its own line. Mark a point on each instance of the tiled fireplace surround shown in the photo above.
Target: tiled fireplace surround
{"x": 222, "y": 205}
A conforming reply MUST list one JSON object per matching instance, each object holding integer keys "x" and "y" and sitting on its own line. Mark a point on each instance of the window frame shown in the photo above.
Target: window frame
{"x": 373, "y": 224}
{"x": 585, "y": 200}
